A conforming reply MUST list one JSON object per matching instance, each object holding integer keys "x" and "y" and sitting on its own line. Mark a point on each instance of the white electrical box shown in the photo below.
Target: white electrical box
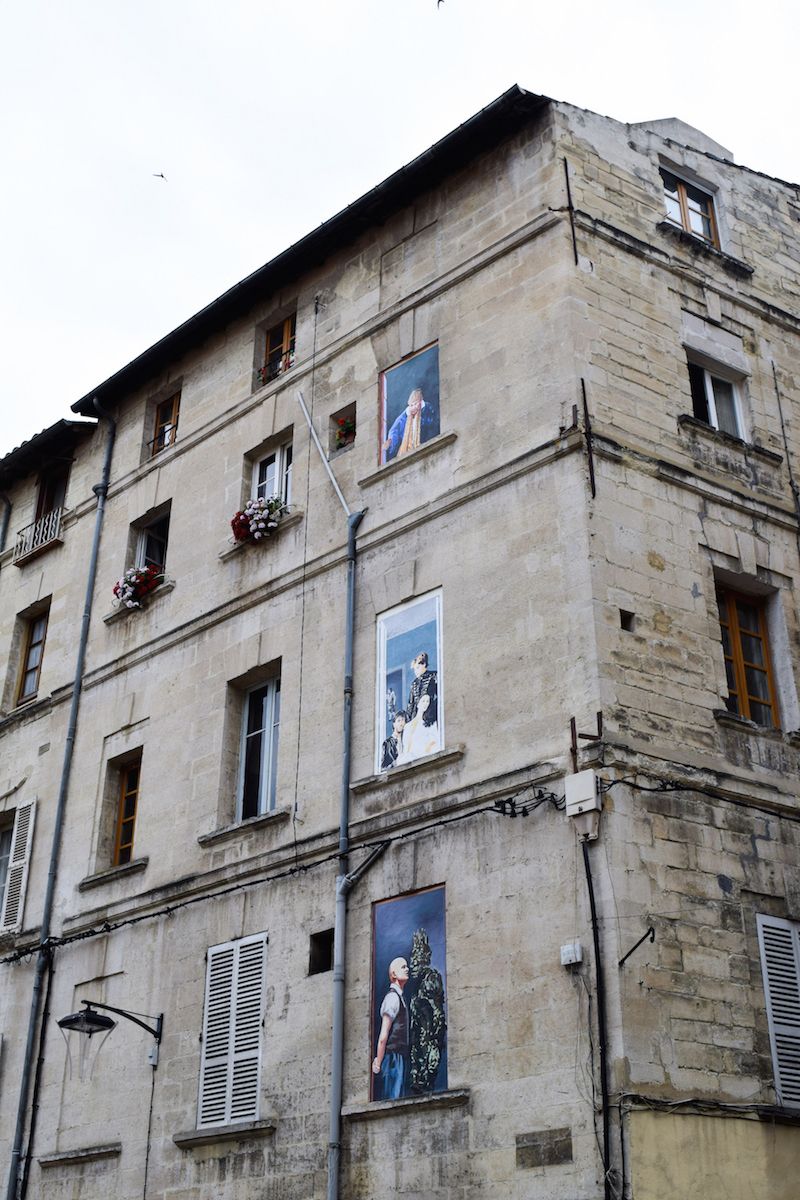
{"x": 571, "y": 953}
{"x": 582, "y": 793}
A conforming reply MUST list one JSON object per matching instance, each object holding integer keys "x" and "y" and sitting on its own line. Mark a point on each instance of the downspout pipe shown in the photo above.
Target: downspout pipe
{"x": 43, "y": 955}
{"x": 4, "y": 520}
{"x": 602, "y": 1028}
{"x": 343, "y": 884}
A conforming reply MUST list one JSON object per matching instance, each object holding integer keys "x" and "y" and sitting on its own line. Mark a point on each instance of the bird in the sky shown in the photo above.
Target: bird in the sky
{"x": 160, "y": 175}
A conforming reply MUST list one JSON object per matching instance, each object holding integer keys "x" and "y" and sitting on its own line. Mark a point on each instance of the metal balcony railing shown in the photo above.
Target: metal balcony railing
{"x": 36, "y": 536}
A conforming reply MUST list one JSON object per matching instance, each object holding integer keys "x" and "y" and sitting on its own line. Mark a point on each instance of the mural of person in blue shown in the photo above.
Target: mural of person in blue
{"x": 409, "y": 414}
{"x": 414, "y": 426}
{"x": 391, "y": 1055}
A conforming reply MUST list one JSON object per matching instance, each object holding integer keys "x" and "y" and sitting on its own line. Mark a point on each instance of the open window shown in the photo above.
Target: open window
{"x": 748, "y": 658}
{"x": 272, "y": 474}
{"x": 150, "y": 538}
{"x": 278, "y": 353}
{"x": 126, "y": 774}
{"x": 716, "y": 398}
{"x": 34, "y": 634}
{"x": 165, "y": 424}
{"x": 690, "y": 207}
{"x": 258, "y": 751}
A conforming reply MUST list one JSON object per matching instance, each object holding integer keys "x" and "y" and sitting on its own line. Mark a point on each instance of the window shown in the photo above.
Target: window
{"x": 258, "y": 757}
{"x": 279, "y": 349}
{"x": 690, "y": 208}
{"x": 230, "y": 1069}
{"x": 126, "y": 810}
{"x": 745, "y": 643}
{"x": 342, "y": 429}
{"x": 779, "y": 943}
{"x": 715, "y": 400}
{"x": 16, "y": 839}
{"x": 52, "y": 490}
{"x": 165, "y": 427}
{"x": 151, "y": 542}
{"x": 35, "y": 633}
{"x": 272, "y": 476}
{"x": 320, "y": 952}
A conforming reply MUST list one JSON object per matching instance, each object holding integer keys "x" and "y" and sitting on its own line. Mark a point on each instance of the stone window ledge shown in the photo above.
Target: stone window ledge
{"x": 31, "y": 708}
{"x": 238, "y": 828}
{"x": 225, "y": 1133}
{"x": 441, "y": 758}
{"x": 112, "y": 873}
{"x": 397, "y": 464}
{"x": 686, "y": 420}
{"x": 66, "y": 1158}
{"x": 454, "y": 1098}
{"x": 734, "y": 266}
{"x": 118, "y": 614}
{"x": 285, "y": 523}
{"x": 733, "y": 721}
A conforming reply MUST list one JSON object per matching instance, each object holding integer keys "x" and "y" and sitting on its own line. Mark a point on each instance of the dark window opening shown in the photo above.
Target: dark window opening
{"x": 320, "y": 952}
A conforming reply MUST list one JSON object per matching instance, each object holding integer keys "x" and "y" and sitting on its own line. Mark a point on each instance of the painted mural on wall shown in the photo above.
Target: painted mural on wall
{"x": 408, "y": 1046}
{"x": 409, "y": 404}
{"x": 409, "y": 711}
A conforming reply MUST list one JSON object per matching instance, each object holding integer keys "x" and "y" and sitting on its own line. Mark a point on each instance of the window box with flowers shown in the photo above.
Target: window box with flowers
{"x": 259, "y": 519}
{"x": 132, "y": 590}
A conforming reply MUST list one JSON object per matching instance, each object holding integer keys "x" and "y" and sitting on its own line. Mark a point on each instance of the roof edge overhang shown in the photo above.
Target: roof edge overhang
{"x": 57, "y": 441}
{"x": 500, "y": 119}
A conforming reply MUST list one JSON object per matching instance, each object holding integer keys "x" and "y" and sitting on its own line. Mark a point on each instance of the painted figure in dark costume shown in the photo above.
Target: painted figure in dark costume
{"x": 428, "y": 1025}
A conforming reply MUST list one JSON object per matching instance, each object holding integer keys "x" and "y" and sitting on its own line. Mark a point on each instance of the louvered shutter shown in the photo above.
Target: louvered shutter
{"x": 780, "y": 963}
{"x": 230, "y": 1073}
{"x": 13, "y": 900}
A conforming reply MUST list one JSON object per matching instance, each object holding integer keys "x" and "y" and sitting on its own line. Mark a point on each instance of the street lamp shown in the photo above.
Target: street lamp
{"x": 88, "y": 1022}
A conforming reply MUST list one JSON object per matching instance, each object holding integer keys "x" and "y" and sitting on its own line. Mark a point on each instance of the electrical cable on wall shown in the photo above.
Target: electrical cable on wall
{"x": 317, "y": 306}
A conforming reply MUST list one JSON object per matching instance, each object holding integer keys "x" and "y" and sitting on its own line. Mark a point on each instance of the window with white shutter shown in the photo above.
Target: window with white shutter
{"x": 12, "y": 890}
{"x": 230, "y": 1071}
{"x": 779, "y": 941}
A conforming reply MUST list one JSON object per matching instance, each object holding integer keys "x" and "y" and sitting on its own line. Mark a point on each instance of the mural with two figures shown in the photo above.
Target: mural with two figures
{"x": 409, "y": 404}
{"x": 408, "y": 1047}
{"x": 409, "y": 717}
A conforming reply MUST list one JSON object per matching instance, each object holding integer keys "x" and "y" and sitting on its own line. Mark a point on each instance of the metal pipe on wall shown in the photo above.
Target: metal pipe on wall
{"x": 43, "y": 956}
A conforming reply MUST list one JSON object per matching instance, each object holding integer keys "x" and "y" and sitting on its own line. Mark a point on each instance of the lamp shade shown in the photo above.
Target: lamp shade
{"x": 87, "y": 1021}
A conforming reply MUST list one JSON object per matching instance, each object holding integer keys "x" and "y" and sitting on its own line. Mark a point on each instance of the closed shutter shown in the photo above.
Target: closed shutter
{"x": 230, "y": 1072}
{"x": 780, "y": 963}
{"x": 13, "y": 901}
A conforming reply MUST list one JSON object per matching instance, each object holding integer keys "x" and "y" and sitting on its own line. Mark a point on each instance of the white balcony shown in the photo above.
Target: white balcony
{"x": 38, "y": 536}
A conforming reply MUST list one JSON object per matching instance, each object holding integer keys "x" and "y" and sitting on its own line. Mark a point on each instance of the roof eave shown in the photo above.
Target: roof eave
{"x": 501, "y": 118}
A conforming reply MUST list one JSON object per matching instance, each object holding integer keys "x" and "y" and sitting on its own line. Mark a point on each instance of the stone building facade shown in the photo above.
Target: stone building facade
{"x": 595, "y": 541}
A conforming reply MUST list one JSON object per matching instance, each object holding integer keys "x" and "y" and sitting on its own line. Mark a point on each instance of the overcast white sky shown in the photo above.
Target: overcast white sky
{"x": 267, "y": 118}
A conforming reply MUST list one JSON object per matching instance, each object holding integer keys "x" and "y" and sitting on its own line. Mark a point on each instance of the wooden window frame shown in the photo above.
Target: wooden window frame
{"x": 123, "y": 837}
{"x": 729, "y": 619}
{"x": 165, "y": 424}
{"x": 683, "y": 203}
{"x": 279, "y": 348}
{"x": 30, "y": 645}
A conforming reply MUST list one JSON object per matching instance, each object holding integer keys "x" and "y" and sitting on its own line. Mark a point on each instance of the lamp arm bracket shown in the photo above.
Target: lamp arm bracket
{"x": 154, "y": 1032}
